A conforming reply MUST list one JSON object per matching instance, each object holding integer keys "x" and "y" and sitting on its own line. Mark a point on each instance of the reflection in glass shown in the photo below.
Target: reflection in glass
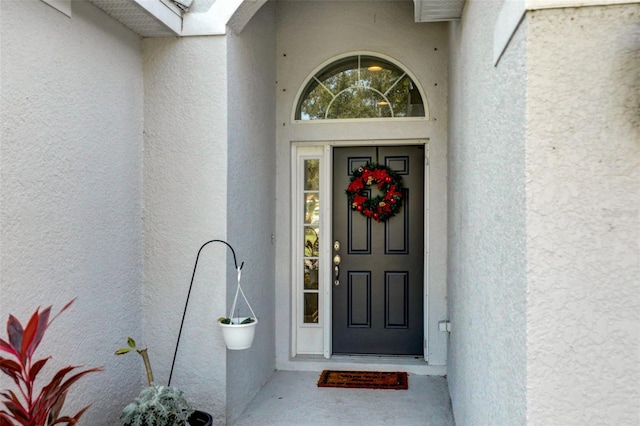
{"x": 311, "y": 241}
{"x": 311, "y": 274}
{"x": 312, "y": 208}
{"x": 311, "y": 308}
{"x": 360, "y": 87}
{"x": 311, "y": 175}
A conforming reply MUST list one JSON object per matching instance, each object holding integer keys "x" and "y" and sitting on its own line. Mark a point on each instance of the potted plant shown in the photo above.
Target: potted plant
{"x": 31, "y": 405}
{"x": 238, "y": 332}
{"x": 159, "y": 405}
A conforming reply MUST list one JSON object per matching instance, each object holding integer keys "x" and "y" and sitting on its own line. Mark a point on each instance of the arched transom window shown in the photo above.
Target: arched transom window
{"x": 360, "y": 86}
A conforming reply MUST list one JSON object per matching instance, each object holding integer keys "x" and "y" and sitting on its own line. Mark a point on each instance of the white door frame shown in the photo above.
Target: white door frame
{"x": 324, "y": 149}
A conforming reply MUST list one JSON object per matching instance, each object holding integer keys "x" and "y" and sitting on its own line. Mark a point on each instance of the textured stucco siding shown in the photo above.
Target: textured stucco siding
{"x": 71, "y": 199}
{"x": 251, "y": 198}
{"x": 583, "y": 228}
{"x": 311, "y": 33}
{"x": 185, "y": 205}
{"x": 544, "y": 213}
{"x": 487, "y": 269}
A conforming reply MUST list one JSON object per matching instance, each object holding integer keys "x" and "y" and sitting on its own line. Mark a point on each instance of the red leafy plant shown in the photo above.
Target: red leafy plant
{"x": 30, "y": 405}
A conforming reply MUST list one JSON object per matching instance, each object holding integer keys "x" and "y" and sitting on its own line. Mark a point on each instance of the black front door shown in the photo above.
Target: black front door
{"x": 377, "y": 305}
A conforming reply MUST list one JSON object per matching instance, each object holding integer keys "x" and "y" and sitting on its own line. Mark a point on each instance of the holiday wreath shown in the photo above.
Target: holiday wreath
{"x": 381, "y": 207}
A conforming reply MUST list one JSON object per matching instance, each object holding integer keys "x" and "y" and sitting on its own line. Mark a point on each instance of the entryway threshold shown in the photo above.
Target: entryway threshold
{"x": 413, "y": 365}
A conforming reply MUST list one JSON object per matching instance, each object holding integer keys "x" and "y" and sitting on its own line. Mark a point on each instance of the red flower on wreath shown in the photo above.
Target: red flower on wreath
{"x": 380, "y": 207}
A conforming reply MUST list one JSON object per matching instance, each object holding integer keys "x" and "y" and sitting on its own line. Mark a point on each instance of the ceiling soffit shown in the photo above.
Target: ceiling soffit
{"x": 164, "y": 18}
{"x": 145, "y": 18}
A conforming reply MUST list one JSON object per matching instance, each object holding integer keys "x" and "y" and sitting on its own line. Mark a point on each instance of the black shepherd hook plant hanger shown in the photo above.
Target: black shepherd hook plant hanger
{"x": 195, "y": 266}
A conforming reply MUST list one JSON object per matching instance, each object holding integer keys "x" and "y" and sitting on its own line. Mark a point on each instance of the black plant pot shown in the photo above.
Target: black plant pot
{"x": 200, "y": 418}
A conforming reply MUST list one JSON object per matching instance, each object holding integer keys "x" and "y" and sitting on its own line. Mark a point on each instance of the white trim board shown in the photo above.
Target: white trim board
{"x": 63, "y": 6}
{"x": 513, "y": 11}
{"x": 310, "y": 345}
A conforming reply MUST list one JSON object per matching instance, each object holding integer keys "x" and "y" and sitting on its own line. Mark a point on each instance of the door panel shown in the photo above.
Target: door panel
{"x": 377, "y": 305}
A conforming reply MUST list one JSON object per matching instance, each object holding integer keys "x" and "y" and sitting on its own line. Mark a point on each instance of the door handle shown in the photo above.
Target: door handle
{"x": 336, "y": 269}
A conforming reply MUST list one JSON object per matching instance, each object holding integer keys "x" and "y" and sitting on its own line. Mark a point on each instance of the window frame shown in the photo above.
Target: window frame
{"x": 308, "y": 338}
{"x": 324, "y": 65}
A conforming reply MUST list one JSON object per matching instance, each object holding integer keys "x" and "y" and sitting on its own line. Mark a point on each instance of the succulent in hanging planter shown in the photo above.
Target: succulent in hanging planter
{"x": 227, "y": 320}
{"x": 238, "y": 332}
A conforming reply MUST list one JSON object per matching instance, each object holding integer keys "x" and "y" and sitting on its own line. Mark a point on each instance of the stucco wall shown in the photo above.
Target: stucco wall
{"x": 71, "y": 205}
{"x": 311, "y": 33}
{"x": 251, "y": 198}
{"x": 583, "y": 224}
{"x": 487, "y": 267}
{"x": 545, "y": 166}
{"x": 185, "y": 205}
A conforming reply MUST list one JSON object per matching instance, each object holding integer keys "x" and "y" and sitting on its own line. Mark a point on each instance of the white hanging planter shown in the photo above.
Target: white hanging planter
{"x": 236, "y": 335}
{"x": 239, "y": 336}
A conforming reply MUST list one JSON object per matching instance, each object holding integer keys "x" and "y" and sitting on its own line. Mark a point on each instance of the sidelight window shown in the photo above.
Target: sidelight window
{"x": 311, "y": 243}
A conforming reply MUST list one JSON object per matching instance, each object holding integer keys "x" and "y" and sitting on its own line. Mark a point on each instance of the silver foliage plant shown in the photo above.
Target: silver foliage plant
{"x": 158, "y": 405}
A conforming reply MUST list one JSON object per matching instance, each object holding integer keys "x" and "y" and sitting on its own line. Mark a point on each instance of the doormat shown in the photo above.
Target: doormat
{"x": 363, "y": 379}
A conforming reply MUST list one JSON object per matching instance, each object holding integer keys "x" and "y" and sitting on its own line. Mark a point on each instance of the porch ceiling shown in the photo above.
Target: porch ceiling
{"x": 162, "y": 18}
{"x": 147, "y": 19}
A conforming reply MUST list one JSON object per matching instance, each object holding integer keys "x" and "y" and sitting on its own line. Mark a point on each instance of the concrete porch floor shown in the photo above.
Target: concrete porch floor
{"x": 293, "y": 398}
